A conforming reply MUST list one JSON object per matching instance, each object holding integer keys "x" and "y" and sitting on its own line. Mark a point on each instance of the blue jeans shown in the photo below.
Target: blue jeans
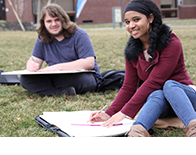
{"x": 175, "y": 97}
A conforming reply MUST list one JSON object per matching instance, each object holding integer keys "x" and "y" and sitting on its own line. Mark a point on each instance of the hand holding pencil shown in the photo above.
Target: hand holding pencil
{"x": 32, "y": 65}
{"x": 98, "y": 116}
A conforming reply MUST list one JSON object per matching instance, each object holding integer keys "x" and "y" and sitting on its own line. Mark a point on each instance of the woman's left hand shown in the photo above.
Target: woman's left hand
{"x": 114, "y": 119}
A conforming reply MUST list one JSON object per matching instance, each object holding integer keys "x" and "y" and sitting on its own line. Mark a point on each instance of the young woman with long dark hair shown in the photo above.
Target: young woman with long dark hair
{"x": 153, "y": 54}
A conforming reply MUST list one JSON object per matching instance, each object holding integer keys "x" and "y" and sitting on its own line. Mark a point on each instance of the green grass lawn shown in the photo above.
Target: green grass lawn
{"x": 18, "y": 107}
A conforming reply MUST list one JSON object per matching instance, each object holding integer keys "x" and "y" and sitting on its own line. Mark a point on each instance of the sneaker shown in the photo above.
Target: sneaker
{"x": 69, "y": 91}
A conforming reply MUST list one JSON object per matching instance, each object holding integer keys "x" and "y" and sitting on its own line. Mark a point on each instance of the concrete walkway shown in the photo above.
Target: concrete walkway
{"x": 107, "y": 28}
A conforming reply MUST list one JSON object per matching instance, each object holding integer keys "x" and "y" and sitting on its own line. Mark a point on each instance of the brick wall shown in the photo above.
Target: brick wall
{"x": 187, "y": 11}
{"x": 100, "y": 11}
{"x": 158, "y": 3}
{"x": 97, "y": 11}
{"x": 27, "y": 15}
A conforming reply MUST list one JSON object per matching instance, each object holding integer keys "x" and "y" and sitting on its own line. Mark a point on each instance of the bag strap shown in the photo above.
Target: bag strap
{"x": 111, "y": 72}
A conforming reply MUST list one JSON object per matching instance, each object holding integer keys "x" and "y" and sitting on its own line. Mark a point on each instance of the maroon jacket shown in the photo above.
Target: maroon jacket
{"x": 168, "y": 65}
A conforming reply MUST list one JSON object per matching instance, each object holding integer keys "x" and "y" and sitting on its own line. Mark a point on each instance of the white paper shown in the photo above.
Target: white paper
{"x": 26, "y": 72}
{"x": 63, "y": 120}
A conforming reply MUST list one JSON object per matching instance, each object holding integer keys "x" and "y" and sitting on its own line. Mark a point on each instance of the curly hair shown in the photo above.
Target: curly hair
{"x": 55, "y": 10}
{"x": 156, "y": 26}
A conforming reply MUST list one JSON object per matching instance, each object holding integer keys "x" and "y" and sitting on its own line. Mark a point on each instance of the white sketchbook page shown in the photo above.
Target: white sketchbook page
{"x": 63, "y": 120}
{"x": 26, "y": 72}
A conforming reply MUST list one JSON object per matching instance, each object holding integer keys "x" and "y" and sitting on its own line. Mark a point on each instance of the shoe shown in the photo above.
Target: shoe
{"x": 138, "y": 131}
{"x": 71, "y": 91}
{"x": 190, "y": 130}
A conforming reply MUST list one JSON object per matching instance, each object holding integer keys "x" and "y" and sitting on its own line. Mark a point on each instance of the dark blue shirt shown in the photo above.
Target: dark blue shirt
{"x": 76, "y": 47}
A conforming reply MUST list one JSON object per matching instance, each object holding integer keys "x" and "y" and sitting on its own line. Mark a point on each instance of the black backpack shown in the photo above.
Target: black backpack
{"x": 112, "y": 80}
{"x": 9, "y": 79}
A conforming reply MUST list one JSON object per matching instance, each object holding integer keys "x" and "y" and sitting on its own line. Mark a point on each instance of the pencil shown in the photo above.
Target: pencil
{"x": 32, "y": 58}
{"x": 97, "y": 113}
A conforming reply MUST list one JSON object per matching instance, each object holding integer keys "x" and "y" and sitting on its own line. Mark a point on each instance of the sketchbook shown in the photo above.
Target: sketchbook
{"x": 26, "y": 72}
{"x": 74, "y": 124}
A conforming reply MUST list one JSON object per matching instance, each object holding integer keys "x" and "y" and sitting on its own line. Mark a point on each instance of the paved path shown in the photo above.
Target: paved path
{"x": 106, "y": 28}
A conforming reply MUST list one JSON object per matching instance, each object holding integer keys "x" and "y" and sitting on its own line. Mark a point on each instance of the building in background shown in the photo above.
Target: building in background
{"x": 93, "y": 11}
{"x": 2, "y": 10}
{"x": 100, "y": 11}
{"x": 27, "y": 10}
{"x": 182, "y": 9}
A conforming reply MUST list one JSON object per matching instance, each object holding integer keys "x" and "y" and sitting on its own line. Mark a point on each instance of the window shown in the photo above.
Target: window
{"x": 169, "y": 8}
{"x": 2, "y": 10}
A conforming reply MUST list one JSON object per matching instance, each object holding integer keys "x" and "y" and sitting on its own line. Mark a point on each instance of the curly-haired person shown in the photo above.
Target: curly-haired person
{"x": 153, "y": 54}
{"x": 63, "y": 46}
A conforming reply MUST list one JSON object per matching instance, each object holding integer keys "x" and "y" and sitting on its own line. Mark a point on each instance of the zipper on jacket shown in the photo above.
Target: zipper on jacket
{"x": 148, "y": 67}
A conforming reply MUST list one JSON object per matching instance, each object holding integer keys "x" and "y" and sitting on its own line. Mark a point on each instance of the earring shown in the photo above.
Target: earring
{"x": 149, "y": 29}
{"x": 127, "y": 34}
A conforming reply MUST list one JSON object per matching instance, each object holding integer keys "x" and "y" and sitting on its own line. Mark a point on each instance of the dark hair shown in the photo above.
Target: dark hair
{"x": 55, "y": 10}
{"x": 156, "y": 26}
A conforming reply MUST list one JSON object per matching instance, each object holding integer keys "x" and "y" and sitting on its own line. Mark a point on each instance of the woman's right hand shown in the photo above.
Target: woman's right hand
{"x": 101, "y": 117}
